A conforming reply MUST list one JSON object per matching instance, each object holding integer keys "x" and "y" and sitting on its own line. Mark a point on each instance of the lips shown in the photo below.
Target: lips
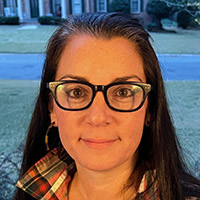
{"x": 98, "y": 143}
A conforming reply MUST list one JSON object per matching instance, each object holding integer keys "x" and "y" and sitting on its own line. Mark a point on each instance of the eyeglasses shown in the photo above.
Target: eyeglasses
{"x": 75, "y": 95}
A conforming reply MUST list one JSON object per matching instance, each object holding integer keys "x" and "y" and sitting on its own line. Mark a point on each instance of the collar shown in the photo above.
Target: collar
{"x": 49, "y": 178}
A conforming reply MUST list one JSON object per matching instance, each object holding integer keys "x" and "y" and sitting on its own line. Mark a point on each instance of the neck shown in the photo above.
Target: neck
{"x": 107, "y": 184}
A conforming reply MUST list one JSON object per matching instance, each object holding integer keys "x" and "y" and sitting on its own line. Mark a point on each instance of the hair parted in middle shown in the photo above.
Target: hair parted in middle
{"x": 159, "y": 148}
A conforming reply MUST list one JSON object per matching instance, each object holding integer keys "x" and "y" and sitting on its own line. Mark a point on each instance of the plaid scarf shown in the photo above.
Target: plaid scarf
{"x": 49, "y": 178}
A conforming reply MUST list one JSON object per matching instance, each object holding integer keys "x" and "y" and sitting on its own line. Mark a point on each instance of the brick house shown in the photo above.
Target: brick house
{"x": 29, "y": 10}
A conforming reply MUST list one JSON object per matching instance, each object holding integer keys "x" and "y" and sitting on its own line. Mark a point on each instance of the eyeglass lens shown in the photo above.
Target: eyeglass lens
{"x": 120, "y": 96}
{"x": 125, "y": 96}
{"x": 74, "y": 95}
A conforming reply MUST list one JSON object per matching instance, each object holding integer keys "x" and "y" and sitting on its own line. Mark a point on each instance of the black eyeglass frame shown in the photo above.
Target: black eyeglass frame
{"x": 102, "y": 88}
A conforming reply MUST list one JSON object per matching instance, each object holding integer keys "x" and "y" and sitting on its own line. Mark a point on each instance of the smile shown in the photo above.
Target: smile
{"x": 99, "y": 143}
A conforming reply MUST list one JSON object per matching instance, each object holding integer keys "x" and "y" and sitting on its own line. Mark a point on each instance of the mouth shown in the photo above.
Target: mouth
{"x": 99, "y": 143}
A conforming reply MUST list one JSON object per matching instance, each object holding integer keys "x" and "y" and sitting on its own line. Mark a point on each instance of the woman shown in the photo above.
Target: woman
{"x": 101, "y": 128}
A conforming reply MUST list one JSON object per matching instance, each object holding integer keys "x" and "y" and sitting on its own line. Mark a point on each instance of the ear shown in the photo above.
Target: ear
{"x": 52, "y": 114}
{"x": 147, "y": 119}
{"x": 53, "y": 118}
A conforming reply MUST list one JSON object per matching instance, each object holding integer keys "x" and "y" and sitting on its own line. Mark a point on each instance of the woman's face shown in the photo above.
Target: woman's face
{"x": 99, "y": 138}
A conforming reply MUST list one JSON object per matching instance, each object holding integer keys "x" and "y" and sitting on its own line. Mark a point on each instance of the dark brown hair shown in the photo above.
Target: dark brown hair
{"x": 159, "y": 148}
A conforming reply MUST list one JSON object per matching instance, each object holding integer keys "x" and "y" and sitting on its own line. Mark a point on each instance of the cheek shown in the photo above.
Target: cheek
{"x": 66, "y": 125}
{"x": 64, "y": 118}
{"x": 132, "y": 128}
{"x": 128, "y": 126}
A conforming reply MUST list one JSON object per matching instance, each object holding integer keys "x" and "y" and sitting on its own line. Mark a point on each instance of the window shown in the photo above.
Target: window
{"x": 76, "y": 7}
{"x": 10, "y": 7}
{"x": 101, "y": 5}
{"x": 4, "y": 3}
{"x": 34, "y": 8}
{"x": 135, "y": 6}
{"x": 55, "y": 7}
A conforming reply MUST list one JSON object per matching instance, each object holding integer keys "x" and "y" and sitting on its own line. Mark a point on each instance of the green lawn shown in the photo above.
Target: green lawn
{"x": 15, "y": 39}
{"x": 182, "y": 42}
{"x": 18, "y": 98}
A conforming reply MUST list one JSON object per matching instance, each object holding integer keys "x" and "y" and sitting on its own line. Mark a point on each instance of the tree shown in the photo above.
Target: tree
{"x": 159, "y": 9}
{"x": 183, "y": 19}
{"x": 119, "y": 6}
{"x": 191, "y": 6}
{"x": 185, "y": 10}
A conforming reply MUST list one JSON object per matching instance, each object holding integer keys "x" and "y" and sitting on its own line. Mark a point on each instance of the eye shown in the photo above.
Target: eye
{"x": 76, "y": 93}
{"x": 124, "y": 92}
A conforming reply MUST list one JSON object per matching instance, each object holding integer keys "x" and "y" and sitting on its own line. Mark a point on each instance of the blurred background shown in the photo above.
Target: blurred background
{"x": 26, "y": 26}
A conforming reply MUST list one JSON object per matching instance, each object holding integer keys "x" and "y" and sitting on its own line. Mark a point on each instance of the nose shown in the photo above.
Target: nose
{"x": 98, "y": 113}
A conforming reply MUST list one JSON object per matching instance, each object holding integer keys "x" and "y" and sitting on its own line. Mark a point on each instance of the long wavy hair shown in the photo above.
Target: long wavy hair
{"x": 159, "y": 148}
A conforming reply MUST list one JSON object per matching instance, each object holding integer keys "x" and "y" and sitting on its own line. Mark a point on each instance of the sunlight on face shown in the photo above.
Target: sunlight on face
{"x": 99, "y": 138}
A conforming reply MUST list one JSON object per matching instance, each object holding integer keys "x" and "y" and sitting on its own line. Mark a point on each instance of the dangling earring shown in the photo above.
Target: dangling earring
{"x": 147, "y": 123}
{"x": 47, "y": 137}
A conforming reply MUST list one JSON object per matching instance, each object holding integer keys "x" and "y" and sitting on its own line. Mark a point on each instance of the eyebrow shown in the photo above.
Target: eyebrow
{"x": 125, "y": 78}
{"x": 79, "y": 78}
{"x": 120, "y": 79}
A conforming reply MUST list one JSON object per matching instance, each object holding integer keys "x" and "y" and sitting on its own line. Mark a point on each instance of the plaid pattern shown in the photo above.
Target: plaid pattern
{"x": 148, "y": 189}
{"x": 49, "y": 178}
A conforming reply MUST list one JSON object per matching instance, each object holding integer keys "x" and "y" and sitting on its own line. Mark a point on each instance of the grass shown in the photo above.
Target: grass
{"x": 18, "y": 98}
{"x": 182, "y": 42}
{"x": 15, "y": 39}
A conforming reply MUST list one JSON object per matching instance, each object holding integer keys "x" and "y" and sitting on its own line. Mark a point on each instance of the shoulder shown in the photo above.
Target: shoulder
{"x": 191, "y": 192}
{"x": 190, "y": 187}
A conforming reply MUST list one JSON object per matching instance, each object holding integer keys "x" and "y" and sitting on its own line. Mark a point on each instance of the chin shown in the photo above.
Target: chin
{"x": 99, "y": 166}
{"x": 100, "y": 163}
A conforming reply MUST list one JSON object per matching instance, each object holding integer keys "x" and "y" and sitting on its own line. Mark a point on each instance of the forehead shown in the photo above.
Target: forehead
{"x": 100, "y": 60}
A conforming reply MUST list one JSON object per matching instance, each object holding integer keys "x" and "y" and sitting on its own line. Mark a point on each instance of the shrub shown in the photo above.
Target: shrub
{"x": 159, "y": 9}
{"x": 195, "y": 22}
{"x": 2, "y": 20}
{"x": 119, "y": 6}
{"x": 50, "y": 20}
{"x": 9, "y": 20}
{"x": 183, "y": 19}
{"x": 152, "y": 27}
